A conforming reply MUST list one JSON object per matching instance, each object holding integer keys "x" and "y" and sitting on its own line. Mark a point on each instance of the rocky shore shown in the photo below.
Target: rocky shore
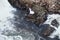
{"x": 35, "y": 22}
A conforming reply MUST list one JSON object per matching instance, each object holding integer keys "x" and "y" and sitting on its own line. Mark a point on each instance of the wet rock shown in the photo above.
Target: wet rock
{"x": 40, "y": 7}
{"x": 20, "y": 22}
{"x": 45, "y": 30}
{"x": 38, "y": 17}
{"x": 18, "y": 5}
{"x": 55, "y": 23}
{"x": 53, "y": 5}
{"x": 50, "y": 5}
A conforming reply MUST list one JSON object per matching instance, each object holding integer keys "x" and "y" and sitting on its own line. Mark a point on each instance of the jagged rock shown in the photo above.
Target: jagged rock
{"x": 40, "y": 7}
{"x": 45, "y": 30}
{"x": 50, "y": 5}
{"x": 55, "y": 23}
{"x": 36, "y": 19}
{"x": 18, "y": 5}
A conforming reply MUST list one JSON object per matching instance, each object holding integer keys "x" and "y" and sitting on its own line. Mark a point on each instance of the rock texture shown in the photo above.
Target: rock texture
{"x": 40, "y": 7}
{"x": 36, "y": 19}
{"x": 50, "y": 5}
{"x": 45, "y": 30}
{"x": 39, "y": 15}
{"x": 55, "y": 23}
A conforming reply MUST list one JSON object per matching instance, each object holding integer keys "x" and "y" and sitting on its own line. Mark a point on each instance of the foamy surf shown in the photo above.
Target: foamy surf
{"x": 5, "y": 24}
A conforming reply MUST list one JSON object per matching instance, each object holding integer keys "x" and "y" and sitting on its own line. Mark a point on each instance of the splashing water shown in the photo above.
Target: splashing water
{"x": 7, "y": 31}
{"x": 5, "y": 10}
{"x": 5, "y": 24}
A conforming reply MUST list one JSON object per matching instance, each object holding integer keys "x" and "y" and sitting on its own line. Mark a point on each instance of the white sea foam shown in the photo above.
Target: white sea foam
{"x": 5, "y": 24}
{"x": 7, "y": 29}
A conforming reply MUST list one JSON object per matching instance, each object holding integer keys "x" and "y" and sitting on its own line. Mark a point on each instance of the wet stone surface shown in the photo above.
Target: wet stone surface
{"x": 37, "y": 18}
{"x": 55, "y": 23}
{"x": 45, "y": 30}
{"x": 40, "y": 7}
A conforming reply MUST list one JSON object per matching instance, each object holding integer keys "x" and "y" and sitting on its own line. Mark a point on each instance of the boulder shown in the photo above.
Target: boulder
{"x": 45, "y": 30}
{"x": 55, "y": 23}
{"x": 50, "y": 5}
{"x": 40, "y": 7}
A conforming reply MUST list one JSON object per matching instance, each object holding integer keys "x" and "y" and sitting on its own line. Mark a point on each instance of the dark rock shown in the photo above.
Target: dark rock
{"x": 20, "y": 21}
{"x": 18, "y": 5}
{"x": 55, "y": 23}
{"x": 38, "y": 17}
{"x": 40, "y": 7}
{"x": 45, "y": 30}
{"x": 15, "y": 3}
{"x": 50, "y": 5}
